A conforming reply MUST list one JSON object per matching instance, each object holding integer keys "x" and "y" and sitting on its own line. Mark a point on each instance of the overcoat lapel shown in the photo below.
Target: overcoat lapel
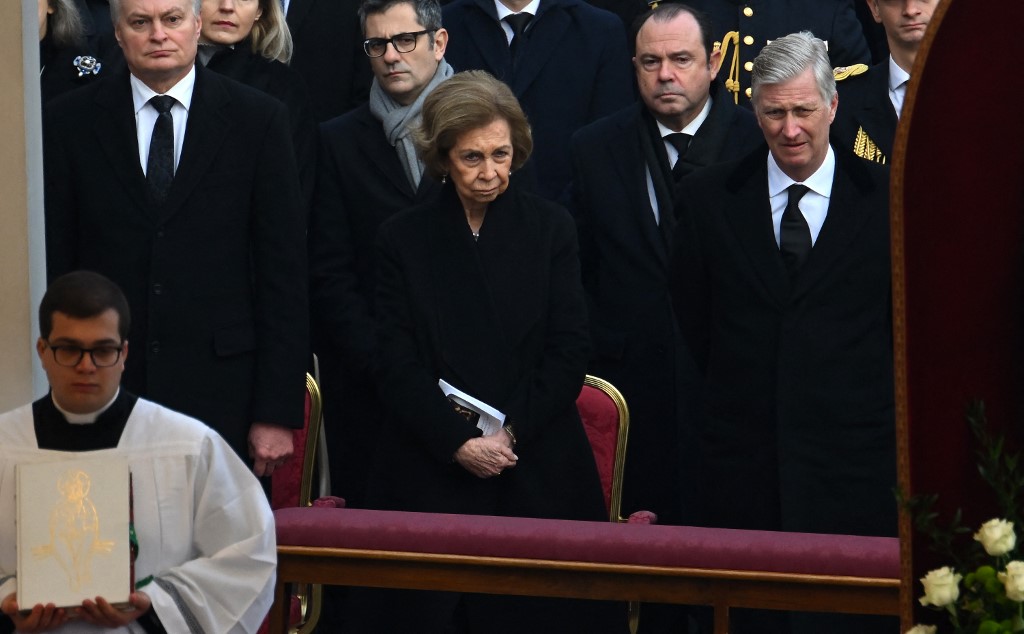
{"x": 208, "y": 126}
{"x": 647, "y": 158}
{"x": 371, "y": 134}
{"x": 713, "y": 134}
{"x": 118, "y": 139}
{"x": 750, "y": 218}
{"x": 489, "y": 38}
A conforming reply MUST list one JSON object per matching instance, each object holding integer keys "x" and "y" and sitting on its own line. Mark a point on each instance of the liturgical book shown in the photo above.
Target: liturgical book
{"x": 73, "y": 532}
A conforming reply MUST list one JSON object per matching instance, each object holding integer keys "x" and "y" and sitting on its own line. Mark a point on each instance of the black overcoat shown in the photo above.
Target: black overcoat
{"x": 799, "y": 425}
{"x": 502, "y": 319}
{"x": 215, "y": 276}
{"x": 360, "y": 183}
{"x": 625, "y": 263}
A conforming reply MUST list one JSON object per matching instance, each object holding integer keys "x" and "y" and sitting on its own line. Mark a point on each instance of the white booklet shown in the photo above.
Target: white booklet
{"x": 488, "y": 419}
{"x": 73, "y": 537}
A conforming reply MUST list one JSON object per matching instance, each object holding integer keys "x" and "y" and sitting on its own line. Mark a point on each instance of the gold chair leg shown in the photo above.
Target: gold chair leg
{"x": 634, "y": 617}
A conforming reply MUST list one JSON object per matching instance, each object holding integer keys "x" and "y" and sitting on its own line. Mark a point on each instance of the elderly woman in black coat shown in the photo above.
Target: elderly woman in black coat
{"x": 481, "y": 315}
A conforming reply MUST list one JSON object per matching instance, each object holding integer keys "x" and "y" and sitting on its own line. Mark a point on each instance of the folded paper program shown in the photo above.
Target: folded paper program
{"x": 487, "y": 418}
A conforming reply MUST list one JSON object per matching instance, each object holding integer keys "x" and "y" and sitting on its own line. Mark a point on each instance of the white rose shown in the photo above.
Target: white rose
{"x": 940, "y": 587}
{"x": 1013, "y": 580}
{"x": 922, "y": 629}
{"x": 997, "y": 537}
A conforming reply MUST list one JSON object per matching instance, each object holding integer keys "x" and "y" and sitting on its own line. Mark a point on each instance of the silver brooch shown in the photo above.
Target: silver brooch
{"x": 87, "y": 64}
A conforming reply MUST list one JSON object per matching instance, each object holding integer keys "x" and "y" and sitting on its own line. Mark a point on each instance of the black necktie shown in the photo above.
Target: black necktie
{"x": 518, "y": 22}
{"x": 794, "y": 235}
{"x": 160, "y": 165}
{"x": 680, "y": 142}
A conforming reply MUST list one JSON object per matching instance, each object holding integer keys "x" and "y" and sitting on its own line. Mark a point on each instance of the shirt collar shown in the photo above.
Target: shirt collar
{"x": 691, "y": 127}
{"x": 820, "y": 182}
{"x": 181, "y": 91}
{"x": 84, "y": 419}
{"x": 503, "y": 10}
{"x": 897, "y": 76}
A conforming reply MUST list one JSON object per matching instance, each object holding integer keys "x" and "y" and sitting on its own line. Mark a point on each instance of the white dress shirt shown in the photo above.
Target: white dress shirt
{"x": 813, "y": 205}
{"x": 673, "y": 154}
{"x": 146, "y": 114}
{"x": 898, "y": 79}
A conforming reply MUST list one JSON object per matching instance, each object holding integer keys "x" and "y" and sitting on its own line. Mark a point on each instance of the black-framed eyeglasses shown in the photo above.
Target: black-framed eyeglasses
{"x": 403, "y": 43}
{"x": 70, "y": 356}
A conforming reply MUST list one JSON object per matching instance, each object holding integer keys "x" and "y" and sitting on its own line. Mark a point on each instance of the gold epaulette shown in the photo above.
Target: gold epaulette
{"x": 865, "y": 148}
{"x": 842, "y": 72}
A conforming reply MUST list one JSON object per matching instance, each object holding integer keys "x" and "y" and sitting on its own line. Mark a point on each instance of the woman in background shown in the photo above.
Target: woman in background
{"x": 66, "y": 58}
{"x": 249, "y": 41}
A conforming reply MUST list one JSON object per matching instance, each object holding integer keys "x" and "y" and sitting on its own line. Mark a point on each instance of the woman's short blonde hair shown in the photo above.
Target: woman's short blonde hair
{"x": 270, "y": 36}
{"x": 467, "y": 101}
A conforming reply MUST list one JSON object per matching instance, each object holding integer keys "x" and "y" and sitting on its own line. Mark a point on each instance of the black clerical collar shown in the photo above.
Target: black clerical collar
{"x": 53, "y": 431}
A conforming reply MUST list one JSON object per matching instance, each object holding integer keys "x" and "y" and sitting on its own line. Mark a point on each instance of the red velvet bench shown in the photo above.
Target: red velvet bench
{"x": 591, "y": 560}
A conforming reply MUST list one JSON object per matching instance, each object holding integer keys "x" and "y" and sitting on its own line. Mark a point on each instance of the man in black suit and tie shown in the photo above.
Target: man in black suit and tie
{"x": 625, "y": 169}
{"x": 181, "y": 186}
{"x": 781, "y": 282}
{"x": 368, "y": 171}
{"x": 872, "y": 102}
{"x": 565, "y": 60}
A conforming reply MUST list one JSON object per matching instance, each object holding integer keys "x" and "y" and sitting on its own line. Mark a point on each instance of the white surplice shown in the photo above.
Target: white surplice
{"x": 205, "y": 529}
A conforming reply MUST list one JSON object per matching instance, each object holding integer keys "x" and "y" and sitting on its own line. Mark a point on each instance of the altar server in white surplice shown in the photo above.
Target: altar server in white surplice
{"x": 207, "y": 554}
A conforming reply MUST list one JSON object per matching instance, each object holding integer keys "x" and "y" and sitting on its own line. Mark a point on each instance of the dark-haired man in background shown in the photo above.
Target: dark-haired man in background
{"x": 625, "y": 170}
{"x": 368, "y": 171}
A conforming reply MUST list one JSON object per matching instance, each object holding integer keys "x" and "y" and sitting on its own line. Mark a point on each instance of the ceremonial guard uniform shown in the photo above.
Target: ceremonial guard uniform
{"x": 742, "y": 29}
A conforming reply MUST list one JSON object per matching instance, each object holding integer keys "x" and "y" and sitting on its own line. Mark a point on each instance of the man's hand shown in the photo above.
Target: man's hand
{"x": 269, "y": 446}
{"x": 40, "y": 619}
{"x": 486, "y": 456}
{"x": 101, "y": 613}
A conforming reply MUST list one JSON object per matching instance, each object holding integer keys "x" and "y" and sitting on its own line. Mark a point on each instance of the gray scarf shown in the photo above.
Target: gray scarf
{"x": 398, "y": 120}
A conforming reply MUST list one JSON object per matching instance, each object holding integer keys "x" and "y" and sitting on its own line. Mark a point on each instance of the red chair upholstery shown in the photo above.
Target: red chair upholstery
{"x": 544, "y": 557}
{"x": 605, "y": 417}
{"x": 527, "y": 538}
{"x": 292, "y": 481}
{"x": 291, "y": 486}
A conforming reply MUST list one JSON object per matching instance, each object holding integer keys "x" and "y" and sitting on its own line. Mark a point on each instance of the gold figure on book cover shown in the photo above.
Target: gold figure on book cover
{"x": 74, "y": 530}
